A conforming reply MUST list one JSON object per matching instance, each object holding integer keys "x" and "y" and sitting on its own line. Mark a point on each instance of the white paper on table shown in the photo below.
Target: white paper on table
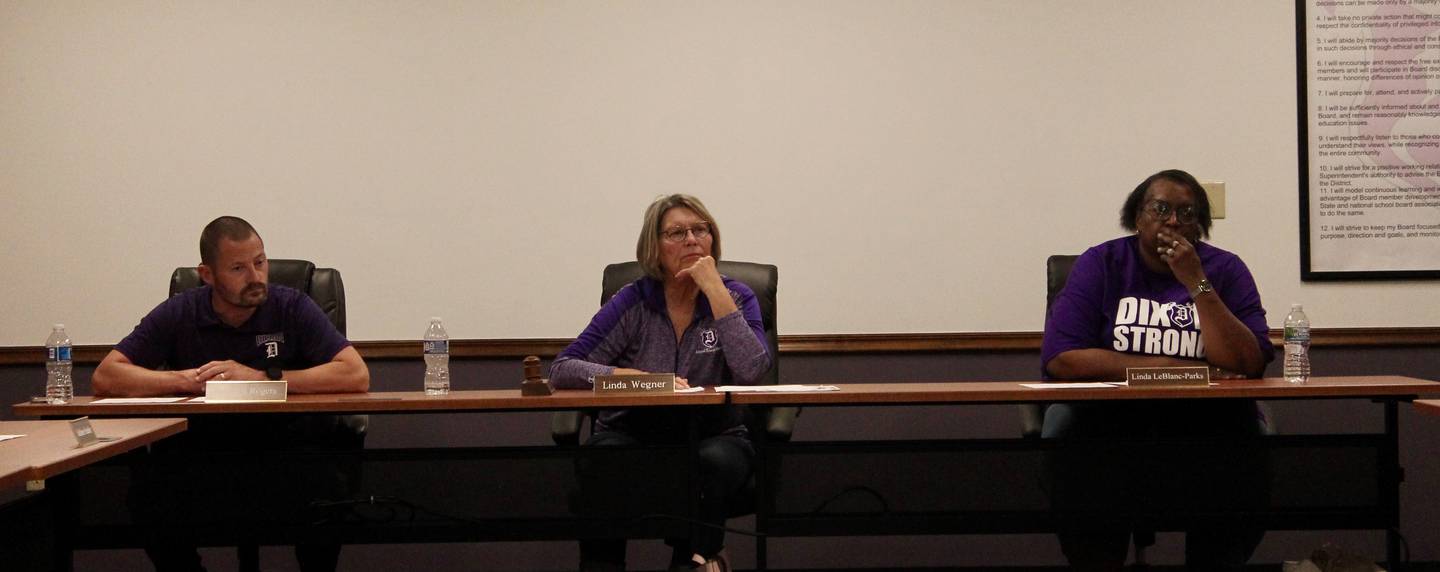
{"x": 775, "y": 388}
{"x": 9, "y": 437}
{"x": 1077, "y": 385}
{"x": 134, "y": 400}
{"x": 691, "y": 389}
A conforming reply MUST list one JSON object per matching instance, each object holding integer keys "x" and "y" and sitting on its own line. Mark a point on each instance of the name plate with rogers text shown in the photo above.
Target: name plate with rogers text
{"x": 242, "y": 391}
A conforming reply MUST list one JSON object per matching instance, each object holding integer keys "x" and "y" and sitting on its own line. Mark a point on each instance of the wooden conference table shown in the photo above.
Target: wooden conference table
{"x": 446, "y": 494}
{"x": 493, "y": 400}
{"x": 778, "y": 514}
{"x": 1428, "y": 406}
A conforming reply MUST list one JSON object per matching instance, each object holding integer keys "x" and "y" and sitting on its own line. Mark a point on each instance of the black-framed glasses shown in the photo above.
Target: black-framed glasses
{"x": 1161, "y": 210}
{"x": 677, "y": 234}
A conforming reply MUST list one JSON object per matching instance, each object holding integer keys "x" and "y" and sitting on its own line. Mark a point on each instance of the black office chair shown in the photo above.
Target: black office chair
{"x": 1057, "y": 271}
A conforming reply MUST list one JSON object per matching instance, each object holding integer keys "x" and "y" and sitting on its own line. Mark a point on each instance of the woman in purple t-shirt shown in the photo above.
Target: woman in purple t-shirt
{"x": 1158, "y": 297}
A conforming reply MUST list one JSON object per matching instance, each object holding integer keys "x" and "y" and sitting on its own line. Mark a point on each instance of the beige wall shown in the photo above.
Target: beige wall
{"x": 907, "y": 164}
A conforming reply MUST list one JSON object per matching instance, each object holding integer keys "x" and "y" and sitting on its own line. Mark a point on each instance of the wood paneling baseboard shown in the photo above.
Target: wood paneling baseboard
{"x": 798, "y": 344}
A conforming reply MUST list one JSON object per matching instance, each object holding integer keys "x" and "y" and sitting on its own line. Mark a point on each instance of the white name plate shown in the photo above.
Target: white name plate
{"x": 1168, "y": 376}
{"x": 84, "y": 433}
{"x": 636, "y": 383}
{"x": 233, "y": 391}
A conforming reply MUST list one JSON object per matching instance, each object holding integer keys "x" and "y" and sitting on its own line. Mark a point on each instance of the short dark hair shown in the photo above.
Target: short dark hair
{"x": 1136, "y": 200}
{"x": 227, "y": 227}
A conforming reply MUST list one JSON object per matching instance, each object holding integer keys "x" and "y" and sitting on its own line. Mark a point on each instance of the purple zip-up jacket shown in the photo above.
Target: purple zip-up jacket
{"x": 633, "y": 330}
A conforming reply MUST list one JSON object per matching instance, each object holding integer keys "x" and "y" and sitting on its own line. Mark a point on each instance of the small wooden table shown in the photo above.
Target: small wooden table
{"x": 1429, "y": 406}
{"x": 48, "y": 447}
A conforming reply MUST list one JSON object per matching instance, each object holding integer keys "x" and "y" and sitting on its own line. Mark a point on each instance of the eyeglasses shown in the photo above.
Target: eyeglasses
{"x": 677, "y": 234}
{"x": 1162, "y": 210}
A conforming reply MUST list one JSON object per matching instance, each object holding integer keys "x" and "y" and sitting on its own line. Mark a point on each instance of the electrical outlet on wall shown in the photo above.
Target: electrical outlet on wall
{"x": 1216, "y": 191}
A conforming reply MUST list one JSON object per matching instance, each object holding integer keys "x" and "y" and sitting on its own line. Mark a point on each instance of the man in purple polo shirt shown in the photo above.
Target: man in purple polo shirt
{"x": 236, "y": 327}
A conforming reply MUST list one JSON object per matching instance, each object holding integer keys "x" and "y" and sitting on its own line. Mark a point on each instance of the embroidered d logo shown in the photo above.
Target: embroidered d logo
{"x": 1182, "y": 315}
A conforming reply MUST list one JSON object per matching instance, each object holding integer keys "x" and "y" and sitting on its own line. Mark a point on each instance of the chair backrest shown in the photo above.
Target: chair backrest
{"x": 761, "y": 278}
{"x": 1057, "y": 272}
{"x": 323, "y": 285}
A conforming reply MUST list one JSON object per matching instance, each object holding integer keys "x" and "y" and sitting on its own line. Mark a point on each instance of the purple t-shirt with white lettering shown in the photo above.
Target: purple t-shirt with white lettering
{"x": 1113, "y": 301}
{"x": 184, "y": 332}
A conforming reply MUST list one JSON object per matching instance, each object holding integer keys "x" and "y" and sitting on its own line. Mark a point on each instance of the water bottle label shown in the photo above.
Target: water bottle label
{"x": 1294, "y": 334}
{"x": 64, "y": 353}
{"x": 57, "y": 354}
{"x": 437, "y": 346}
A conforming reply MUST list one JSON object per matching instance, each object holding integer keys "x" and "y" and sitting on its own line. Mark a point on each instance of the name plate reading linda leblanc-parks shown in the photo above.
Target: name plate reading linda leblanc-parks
{"x": 233, "y": 391}
{"x": 635, "y": 383}
{"x": 1168, "y": 376}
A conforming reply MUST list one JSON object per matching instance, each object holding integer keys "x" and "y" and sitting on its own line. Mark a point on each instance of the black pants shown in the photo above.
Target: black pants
{"x": 1148, "y": 456}
{"x": 725, "y": 464}
{"x": 241, "y": 473}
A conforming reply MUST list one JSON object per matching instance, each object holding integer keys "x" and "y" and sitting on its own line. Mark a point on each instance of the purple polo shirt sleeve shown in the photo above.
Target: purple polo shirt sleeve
{"x": 1075, "y": 320}
{"x": 148, "y": 345}
{"x": 743, "y": 336}
{"x": 321, "y": 340}
{"x": 596, "y": 348}
{"x": 1238, "y": 290}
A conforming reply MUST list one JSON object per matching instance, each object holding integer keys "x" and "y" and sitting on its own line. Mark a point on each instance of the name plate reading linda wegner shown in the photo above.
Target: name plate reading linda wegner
{"x": 232, "y": 391}
{"x": 635, "y": 383}
{"x": 1168, "y": 376}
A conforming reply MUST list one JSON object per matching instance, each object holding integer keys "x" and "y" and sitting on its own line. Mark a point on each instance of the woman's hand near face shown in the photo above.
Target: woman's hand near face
{"x": 1179, "y": 253}
{"x": 704, "y": 274}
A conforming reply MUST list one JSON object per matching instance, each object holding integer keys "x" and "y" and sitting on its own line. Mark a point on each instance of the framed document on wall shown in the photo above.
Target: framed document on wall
{"x": 1369, "y": 123}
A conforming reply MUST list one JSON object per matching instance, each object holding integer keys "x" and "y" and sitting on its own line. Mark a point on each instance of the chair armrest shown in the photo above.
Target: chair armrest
{"x": 781, "y": 423}
{"x": 1032, "y": 420}
{"x": 565, "y": 427}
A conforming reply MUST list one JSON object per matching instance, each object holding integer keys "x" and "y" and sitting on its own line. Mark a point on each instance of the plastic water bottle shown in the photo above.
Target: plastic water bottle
{"x": 1297, "y": 345}
{"x": 437, "y": 359}
{"x": 59, "y": 387}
